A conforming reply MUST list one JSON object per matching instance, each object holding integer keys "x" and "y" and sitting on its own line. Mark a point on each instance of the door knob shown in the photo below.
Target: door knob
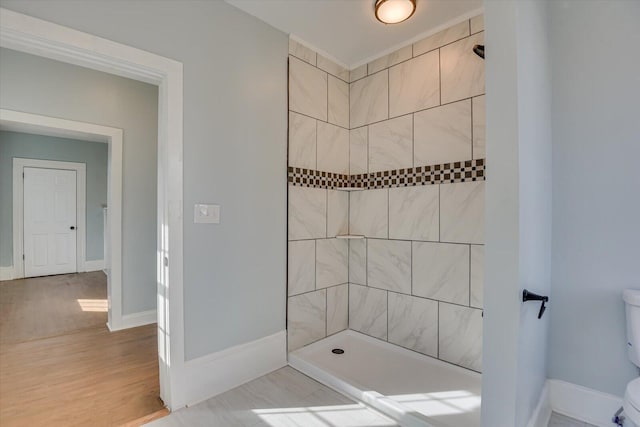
{"x": 72, "y": 227}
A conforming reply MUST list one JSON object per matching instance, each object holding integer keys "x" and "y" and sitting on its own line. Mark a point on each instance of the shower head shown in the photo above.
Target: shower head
{"x": 479, "y": 50}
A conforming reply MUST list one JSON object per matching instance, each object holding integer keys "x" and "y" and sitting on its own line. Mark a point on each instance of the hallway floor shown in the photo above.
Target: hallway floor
{"x": 60, "y": 365}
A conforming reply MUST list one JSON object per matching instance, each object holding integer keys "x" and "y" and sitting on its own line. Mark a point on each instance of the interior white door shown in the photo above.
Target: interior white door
{"x": 49, "y": 221}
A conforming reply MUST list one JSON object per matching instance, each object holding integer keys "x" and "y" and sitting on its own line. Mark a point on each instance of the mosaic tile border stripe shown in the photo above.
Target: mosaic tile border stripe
{"x": 446, "y": 173}
{"x": 317, "y": 179}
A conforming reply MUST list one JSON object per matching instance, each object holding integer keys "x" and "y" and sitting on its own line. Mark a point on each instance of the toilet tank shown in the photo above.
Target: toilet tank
{"x": 632, "y": 308}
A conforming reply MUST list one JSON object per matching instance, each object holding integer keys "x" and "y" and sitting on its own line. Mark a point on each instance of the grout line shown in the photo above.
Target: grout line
{"x": 472, "y": 154}
{"x": 469, "y": 275}
{"x": 440, "y": 76}
{"x": 439, "y": 213}
{"x": 438, "y": 332}
{"x": 387, "y": 316}
{"x": 417, "y": 111}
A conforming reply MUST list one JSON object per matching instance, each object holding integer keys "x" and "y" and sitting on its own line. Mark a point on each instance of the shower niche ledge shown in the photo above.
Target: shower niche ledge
{"x": 350, "y": 188}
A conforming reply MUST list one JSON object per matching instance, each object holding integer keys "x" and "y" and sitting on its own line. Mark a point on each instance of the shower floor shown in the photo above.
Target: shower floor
{"x": 414, "y": 389}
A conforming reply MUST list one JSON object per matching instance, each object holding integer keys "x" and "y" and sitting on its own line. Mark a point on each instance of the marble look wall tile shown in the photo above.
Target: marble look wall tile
{"x": 389, "y": 265}
{"x": 477, "y": 276}
{"x": 441, "y": 271}
{"x": 461, "y": 70}
{"x": 337, "y": 213}
{"x": 302, "y": 141}
{"x": 462, "y": 212}
{"x": 414, "y": 85}
{"x": 358, "y": 261}
{"x": 369, "y": 100}
{"x": 307, "y": 213}
{"x": 358, "y": 73}
{"x": 368, "y": 311}
{"x": 391, "y": 144}
{"x": 301, "y": 267}
{"x": 337, "y": 309}
{"x": 358, "y": 151}
{"x": 477, "y": 24}
{"x": 338, "y": 102}
{"x": 414, "y": 213}
{"x": 307, "y": 89}
{"x": 443, "y": 134}
{"x": 389, "y": 60}
{"x": 413, "y": 323}
{"x": 451, "y": 34}
{"x": 333, "y": 148}
{"x": 307, "y": 317}
{"x": 460, "y": 336}
{"x": 332, "y": 68}
{"x": 332, "y": 262}
{"x": 479, "y": 120}
{"x": 368, "y": 213}
{"x": 302, "y": 52}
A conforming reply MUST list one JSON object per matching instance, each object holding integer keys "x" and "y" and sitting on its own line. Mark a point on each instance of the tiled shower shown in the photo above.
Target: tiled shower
{"x": 386, "y": 196}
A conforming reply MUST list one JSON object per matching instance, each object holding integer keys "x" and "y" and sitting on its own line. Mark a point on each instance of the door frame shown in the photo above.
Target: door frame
{"x": 51, "y": 126}
{"x": 42, "y": 38}
{"x": 18, "y": 209}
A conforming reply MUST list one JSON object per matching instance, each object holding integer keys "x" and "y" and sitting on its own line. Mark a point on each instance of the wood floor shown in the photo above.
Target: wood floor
{"x": 42, "y": 307}
{"x": 63, "y": 367}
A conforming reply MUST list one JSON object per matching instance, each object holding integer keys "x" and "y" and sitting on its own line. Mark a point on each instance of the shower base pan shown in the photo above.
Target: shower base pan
{"x": 413, "y": 389}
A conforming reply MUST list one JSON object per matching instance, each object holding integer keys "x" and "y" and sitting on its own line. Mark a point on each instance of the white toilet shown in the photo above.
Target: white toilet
{"x": 631, "y": 403}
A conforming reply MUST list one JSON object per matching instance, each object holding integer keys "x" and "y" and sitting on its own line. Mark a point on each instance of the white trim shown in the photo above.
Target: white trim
{"x": 134, "y": 320}
{"x": 542, "y": 413}
{"x": 94, "y": 265}
{"x": 583, "y": 404}
{"x": 6, "y": 273}
{"x": 37, "y": 37}
{"x": 216, "y": 373}
{"x": 18, "y": 207}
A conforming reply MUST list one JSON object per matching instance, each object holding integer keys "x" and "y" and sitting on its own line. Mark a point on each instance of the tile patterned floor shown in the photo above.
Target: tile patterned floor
{"x": 282, "y": 398}
{"x": 558, "y": 420}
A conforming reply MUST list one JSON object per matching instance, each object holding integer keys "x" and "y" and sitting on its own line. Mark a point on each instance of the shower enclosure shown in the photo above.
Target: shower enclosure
{"x": 386, "y": 176}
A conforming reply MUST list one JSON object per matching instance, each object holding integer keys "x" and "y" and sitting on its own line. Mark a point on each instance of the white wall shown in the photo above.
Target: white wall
{"x": 235, "y": 136}
{"x": 42, "y": 86}
{"x": 596, "y": 189}
{"x": 518, "y": 215}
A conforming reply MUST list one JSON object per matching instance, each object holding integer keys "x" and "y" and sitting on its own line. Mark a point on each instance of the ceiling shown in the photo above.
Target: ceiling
{"x": 348, "y": 31}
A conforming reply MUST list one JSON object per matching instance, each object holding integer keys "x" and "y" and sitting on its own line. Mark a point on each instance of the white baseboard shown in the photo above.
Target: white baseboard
{"x": 134, "y": 320}
{"x": 542, "y": 413}
{"x": 216, "y": 373}
{"x": 581, "y": 403}
{"x": 6, "y": 273}
{"x": 96, "y": 265}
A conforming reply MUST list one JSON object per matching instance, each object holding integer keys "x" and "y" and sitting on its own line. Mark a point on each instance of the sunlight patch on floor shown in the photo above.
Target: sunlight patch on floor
{"x": 95, "y": 305}
{"x": 355, "y": 415}
{"x": 441, "y": 403}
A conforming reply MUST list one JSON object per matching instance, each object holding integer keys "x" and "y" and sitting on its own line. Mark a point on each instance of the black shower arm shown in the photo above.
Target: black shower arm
{"x": 530, "y": 296}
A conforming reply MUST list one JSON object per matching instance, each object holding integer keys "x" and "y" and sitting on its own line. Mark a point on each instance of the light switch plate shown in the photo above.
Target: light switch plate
{"x": 206, "y": 214}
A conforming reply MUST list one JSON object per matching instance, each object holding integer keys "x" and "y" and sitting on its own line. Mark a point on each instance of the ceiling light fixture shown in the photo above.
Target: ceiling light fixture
{"x": 394, "y": 11}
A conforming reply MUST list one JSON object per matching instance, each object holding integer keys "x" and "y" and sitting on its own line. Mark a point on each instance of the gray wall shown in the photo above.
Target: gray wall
{"x": 42, "y": 86}
{"x": 235, "y": 139}
{"x": 93, "y": 154}
{"x": 518, "y": 215}
{"x": 596, "y": 189}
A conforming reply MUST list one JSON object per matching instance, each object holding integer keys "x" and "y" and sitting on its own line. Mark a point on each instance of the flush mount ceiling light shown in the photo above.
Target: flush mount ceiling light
{"x": 394, "y": 11}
